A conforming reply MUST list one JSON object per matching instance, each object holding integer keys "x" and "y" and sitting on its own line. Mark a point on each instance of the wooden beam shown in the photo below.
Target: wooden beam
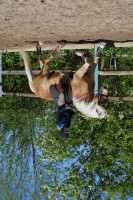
{"x": 22, "y": 72}
{"x": 20, "y": 94}
{"x": 119, "y": 73}
{"x": 19, "y": 72}
{"x": 102, "y": 73}
{"x": 125, "y": 98}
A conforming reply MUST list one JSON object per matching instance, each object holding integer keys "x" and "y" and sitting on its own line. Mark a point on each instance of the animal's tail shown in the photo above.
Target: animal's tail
{"x": 28, "y": 66}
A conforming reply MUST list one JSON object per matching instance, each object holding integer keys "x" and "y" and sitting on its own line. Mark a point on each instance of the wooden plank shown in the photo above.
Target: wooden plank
{"x": 19, "y": 72}
{"x": 97, "y": 72}
{"x": 115, "y": 72}
{"x": 125, "y": 98}
{"x": 20, "y": 94}
{"x": 22, "y": 72}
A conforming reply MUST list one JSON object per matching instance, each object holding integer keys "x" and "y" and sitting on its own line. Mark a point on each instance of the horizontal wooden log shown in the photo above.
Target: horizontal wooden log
{"x": 118, "y": 73}
{"x": 22, "y": 72}
{"x": 19, "y": 72}
{"x": 20, "y": 94}
{"x": 125, "y": 98}
{"x": 102, "y": 73}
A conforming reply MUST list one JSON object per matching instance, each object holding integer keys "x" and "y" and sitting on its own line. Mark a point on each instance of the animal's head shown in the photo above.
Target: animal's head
{"x": 94, "y": 109}
{"x": 91, "y": 109}
{"x": 99, "y": 111}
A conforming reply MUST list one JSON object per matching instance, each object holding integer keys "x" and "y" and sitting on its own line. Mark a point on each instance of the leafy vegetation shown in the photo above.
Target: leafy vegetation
{"x": 94, "y": 163}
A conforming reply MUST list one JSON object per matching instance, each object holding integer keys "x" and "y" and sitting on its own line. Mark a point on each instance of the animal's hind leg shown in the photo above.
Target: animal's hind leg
{"x": 47, "y": 61}
{"x": 46, "y": 64}
{"x": 39, "y": 59}
{"x": 43, "y": 65}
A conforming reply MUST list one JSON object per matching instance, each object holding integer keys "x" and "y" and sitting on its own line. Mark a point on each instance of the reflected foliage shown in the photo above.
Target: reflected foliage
{"x": 94, "y": 163}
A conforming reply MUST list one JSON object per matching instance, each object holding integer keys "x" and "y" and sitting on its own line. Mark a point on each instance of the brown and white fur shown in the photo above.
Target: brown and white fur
{"x": 82, "y": 85}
